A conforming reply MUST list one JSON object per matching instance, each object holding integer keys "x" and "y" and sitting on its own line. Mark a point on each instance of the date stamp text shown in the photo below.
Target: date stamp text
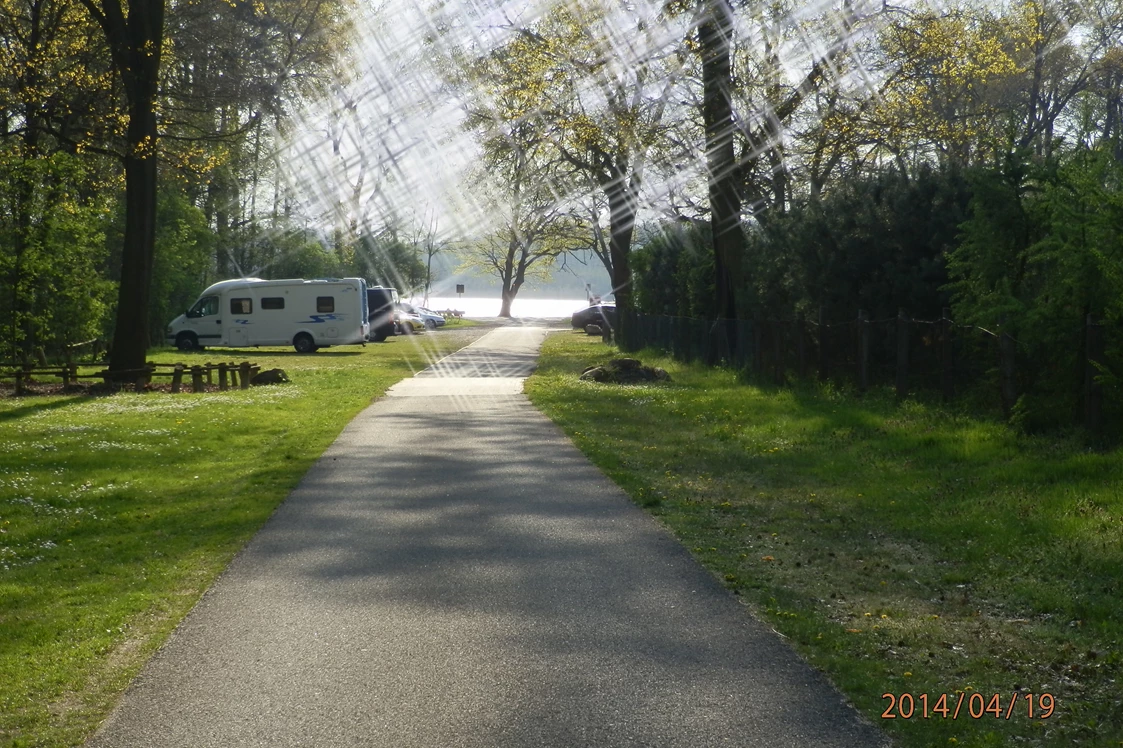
{"x": 973, "y": 705}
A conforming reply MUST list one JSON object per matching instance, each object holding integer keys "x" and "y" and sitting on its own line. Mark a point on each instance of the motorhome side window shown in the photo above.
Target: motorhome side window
{"x": 241, "y": 306}
{"x": 325, "y": 304}
{"x": 204, "y": 307}
{"x": 273, "y": 302}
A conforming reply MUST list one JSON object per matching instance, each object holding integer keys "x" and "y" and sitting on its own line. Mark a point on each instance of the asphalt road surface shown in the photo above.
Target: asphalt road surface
{"x": 453, "y": 572}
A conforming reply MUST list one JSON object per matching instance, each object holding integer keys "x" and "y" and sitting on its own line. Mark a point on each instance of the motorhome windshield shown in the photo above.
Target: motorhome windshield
{"x": 204, "y": 307}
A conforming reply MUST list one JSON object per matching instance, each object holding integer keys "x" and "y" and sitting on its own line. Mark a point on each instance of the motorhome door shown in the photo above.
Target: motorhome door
{"x": 204, "y": 320}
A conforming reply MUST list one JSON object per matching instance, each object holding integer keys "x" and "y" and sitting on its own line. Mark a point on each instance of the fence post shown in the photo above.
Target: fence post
{"x": 65, "y": 375}
{"x": 232, "y": 368}
{"x": 1093, "y": 390}
{"x": 713, "y": 332}
{"x": 777, "y": 351}
{"x": 244, "y": 371}
{"x": 822, "y": 345}
{"x": 210, "y": 369}
{"x": 801, "y": 345}
{"x": 902, "y": 353}
{"x": 177, "y": 378}
{"x": 1006, "y": 352}
{"x": 758, "y": 339}
{"x": 863, "y": 351}
{"x": 19, "y": 382}
{"x": 222, "y": 377}
{"x": 743, "y": 354}
{"x": 947, "y": 381}
{"x": 196, "y": 378}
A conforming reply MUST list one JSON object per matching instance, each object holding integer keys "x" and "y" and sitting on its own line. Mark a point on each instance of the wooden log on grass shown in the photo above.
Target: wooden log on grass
{"x": 177, "y": 378}
{"x": 222, "y": 384}
{"x": 196, "y": 378}
{"x": 244, "y": 372}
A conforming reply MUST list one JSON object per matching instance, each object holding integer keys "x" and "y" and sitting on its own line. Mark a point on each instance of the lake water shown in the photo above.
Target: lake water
{"x": 489, "y": 306}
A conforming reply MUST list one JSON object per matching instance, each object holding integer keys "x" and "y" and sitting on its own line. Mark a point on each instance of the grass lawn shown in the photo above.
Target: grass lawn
{"x": 902, "y": 548}
{"x": 117, "y": 512}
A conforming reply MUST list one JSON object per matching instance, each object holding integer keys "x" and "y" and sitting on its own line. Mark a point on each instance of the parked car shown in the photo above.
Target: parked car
{"x": 597, "y": 314}
{"x": 431, "y": 319}
{"x": 381, "y": 303}
{"x": 406, "y": 321}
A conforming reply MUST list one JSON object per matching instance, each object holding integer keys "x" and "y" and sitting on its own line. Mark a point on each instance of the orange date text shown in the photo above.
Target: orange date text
{"x": 973, "y": 705}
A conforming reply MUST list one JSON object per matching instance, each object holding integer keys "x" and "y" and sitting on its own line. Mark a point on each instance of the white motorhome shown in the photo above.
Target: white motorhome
{"x": 306, "y": 314}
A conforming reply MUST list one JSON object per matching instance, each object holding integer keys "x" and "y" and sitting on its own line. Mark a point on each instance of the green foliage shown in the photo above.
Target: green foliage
{"x": 183, "y": 256}
{"x": 1042, "y": 250}
{"x": 389, "y": 261}
{"x": 673, "y": 270}
{"x": 184, "y": 249}
{"x": 298, "y": 254}
{"x": 52, "y": 251}
{"x": 874, "y": 242}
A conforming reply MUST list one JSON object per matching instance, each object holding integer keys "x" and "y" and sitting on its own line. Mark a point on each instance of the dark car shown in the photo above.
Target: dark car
{"x": 598, "y": 314}
{"x": 381, "y": 304}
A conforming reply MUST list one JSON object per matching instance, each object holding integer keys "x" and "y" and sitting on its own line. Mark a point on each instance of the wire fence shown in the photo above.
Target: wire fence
{"x": 909, "y": 354}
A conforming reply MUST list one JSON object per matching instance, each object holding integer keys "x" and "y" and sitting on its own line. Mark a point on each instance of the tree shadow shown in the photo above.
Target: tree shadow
{"x": 26, "y": 410}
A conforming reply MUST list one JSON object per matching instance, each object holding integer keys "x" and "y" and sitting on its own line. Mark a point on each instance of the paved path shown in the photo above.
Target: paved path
{"x": 453, "y": 573}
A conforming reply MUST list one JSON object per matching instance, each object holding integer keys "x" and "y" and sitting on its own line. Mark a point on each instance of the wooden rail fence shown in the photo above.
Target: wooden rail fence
{"x": 228, "y": 375}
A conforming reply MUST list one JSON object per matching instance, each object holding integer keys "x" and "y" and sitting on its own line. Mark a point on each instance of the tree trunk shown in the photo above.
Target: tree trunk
{"x": 130, "y": 335}
{"x": 622, "y": 205}
{"x": 135, "y": 44}
{"x": 717, "y": 113}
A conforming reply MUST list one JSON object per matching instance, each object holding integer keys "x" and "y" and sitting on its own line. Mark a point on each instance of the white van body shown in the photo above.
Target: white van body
{"x": 306, "y": 314}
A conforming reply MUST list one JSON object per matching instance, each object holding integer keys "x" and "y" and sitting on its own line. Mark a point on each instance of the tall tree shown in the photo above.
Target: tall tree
{"x": 714, "y": 37}
{"x": 593, "y": 79}
{"x": 136, "y": 41}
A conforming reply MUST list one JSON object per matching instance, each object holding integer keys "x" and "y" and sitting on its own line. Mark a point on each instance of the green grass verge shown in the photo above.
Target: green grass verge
{"x": 901, "y": 547}
{"x": 117, "y": 512}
